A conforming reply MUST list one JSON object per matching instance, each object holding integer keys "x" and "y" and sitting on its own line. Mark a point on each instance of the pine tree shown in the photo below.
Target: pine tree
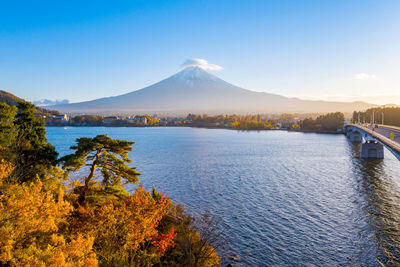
{"x": 108, "y": 155}
{"x": 34, "y": 155}
{"x": 7, "y": 127}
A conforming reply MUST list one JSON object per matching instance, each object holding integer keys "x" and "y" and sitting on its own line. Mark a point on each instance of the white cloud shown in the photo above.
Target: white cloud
{"x": 202, "y": 63}
{"x": 364, "y": 76}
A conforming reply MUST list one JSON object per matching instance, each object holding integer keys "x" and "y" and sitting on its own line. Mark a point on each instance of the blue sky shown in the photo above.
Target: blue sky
{"x": 81, "y": 50}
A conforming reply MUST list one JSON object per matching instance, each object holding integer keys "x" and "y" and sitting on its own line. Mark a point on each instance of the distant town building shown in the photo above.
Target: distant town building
{"x": 58, "y": 119}
{"x": 141, "y": 120}
{"x": 110, "y": 119}
{"x": 63, "y": 118}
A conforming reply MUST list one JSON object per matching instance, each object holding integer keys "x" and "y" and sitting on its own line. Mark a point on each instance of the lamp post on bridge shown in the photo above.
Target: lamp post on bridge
{"x": 383, "y": 118}
{"x": 373, "y": 118}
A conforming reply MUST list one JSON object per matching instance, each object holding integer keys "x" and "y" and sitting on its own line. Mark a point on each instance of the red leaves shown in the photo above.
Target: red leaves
{"x": 126, "y": 227}
{"x": 164, "y": 241}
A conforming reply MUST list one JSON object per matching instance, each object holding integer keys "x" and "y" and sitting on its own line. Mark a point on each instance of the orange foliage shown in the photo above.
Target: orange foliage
{"x": 125, "y": 230}
{"x": 164, "y": 241}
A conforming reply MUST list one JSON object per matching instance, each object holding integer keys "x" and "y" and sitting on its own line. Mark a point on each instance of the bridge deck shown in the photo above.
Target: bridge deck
{"x": 382, "y": 133}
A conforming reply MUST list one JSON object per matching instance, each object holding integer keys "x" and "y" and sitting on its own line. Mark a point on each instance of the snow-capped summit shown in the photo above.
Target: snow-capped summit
{"x": 194, "y": 73}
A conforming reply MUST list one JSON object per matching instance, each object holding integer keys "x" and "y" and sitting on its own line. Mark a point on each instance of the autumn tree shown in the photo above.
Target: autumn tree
{"x": 30, "y": 220}
{"x": 6, "y": 168}
{"x": 125, "y": 229}
{"x": 196, "y": 239}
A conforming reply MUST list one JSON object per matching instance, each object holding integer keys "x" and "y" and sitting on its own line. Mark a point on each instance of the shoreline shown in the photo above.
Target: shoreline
{"x": 203, "y": 127}
{"x": 315, "y": 131}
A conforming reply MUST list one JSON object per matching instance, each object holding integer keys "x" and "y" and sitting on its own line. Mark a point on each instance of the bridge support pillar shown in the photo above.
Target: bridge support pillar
{"x": 372, "y": 150}
{"x": 355, "y": 137}
{"x": 348, "y": 132}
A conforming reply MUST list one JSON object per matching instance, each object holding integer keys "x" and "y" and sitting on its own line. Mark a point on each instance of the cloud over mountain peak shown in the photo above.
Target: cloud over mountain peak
{"x": 201, "y": 63}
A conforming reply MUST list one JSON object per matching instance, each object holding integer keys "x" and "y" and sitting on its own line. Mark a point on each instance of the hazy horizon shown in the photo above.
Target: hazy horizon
{"x": 371, "y": 99}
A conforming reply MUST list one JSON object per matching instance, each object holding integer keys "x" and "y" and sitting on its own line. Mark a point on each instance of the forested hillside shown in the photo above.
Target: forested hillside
{"x": 391, "y": 115}
{"x": 13, "y": 100}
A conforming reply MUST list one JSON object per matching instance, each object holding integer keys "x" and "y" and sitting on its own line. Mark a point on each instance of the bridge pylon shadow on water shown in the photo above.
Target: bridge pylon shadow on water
{"x": 379, "y": 199}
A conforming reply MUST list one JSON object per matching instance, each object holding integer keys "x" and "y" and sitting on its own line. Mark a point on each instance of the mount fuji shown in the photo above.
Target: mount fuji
{"x": 194, "y": 90}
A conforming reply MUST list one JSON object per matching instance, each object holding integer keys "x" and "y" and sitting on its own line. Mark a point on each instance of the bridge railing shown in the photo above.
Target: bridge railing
{"x": 389, "y": 127}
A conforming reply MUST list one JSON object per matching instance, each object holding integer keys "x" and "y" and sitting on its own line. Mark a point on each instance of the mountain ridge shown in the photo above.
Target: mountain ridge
{"x": 194, "y": 90}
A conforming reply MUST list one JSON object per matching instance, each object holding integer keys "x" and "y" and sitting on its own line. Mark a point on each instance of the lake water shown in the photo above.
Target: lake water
{"x": 284, "y": 198}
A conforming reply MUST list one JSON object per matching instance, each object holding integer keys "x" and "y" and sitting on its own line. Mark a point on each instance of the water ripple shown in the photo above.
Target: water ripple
{"x": 284, "y": 198}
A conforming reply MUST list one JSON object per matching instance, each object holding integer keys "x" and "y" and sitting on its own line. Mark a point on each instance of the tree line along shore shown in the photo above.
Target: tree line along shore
{"x": 330, "y": 122}
{"x": 324, "y": 123}
{"x": 313, "y": 122}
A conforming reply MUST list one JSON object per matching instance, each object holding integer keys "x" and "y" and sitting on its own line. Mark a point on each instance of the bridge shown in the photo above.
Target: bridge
{"x": 375, "y": 137}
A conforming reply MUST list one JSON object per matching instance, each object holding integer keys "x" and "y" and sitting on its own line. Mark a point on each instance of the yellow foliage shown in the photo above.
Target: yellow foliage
{"x": 75, "y": 183}
{"x": 29, "y": 229}
{"x": 6, "y": 169}
{"x": 106, "y": 225}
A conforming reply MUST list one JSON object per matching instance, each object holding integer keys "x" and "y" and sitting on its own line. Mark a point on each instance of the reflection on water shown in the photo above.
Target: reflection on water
{"x": 285, "y": 198}
{"x": 381, "y": 206}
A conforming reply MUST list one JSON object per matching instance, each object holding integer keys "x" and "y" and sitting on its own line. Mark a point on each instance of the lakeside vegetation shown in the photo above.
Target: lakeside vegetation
{"x": 48, "y": 219}
{"x": 391, "y": 115}
{"x": 305, "y": 122}
{"x": 240, "y": 122}
{"x": 330, "y": 122}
